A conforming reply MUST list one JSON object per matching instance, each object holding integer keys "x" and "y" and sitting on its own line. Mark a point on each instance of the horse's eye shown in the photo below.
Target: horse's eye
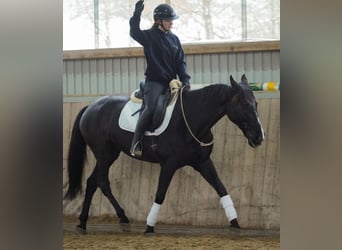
{"x": 248, "y": 106}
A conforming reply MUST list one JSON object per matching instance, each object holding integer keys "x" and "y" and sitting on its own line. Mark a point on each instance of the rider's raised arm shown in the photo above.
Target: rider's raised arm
{"x": 135, "y": 32}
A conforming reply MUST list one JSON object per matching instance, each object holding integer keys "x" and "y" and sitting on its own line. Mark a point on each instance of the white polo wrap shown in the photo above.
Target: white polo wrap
{"x": 152, "y": 216}
{"x": 228, "y": 207}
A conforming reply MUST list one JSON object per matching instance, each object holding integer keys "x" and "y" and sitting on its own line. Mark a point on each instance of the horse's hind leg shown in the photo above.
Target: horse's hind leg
{"x": 208, "y": 171}
{"x": 90, "y": 190}
{"x": 99, "y": 178}
{"x": 104, "y": 185}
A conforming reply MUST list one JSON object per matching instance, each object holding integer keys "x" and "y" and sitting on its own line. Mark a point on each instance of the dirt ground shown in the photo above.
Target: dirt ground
{"x": 109, "y": 236}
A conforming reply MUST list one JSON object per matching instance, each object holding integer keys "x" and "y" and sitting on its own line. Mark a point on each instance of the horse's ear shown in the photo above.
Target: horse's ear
{"x": 244, "y": 79}
{"x": 233, "y": 82}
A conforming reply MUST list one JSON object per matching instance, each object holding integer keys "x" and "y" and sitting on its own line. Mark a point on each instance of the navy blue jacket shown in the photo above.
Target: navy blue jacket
{"x": 163, "y": 51}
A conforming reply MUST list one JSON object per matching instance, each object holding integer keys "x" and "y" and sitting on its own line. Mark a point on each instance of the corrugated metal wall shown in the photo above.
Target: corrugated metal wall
{"x": 251, "y": 176}
{"x": 93, "y": 77}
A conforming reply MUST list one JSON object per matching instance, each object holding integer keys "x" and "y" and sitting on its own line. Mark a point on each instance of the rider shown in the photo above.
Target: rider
{"x": 165, "y": 60}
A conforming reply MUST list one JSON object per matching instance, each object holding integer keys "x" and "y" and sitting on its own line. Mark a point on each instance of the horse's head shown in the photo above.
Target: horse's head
{"x": 242, "y": 110}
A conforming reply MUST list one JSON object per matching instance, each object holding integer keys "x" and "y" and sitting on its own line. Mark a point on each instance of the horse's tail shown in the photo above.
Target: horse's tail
{"x": 76, "y": 158}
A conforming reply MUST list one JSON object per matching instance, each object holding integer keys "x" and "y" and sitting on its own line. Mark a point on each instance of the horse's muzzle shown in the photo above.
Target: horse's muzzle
{"x": 256, "y": 141}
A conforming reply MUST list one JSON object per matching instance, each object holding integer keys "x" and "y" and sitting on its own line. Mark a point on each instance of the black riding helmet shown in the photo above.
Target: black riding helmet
{"x": 164, "y": 12}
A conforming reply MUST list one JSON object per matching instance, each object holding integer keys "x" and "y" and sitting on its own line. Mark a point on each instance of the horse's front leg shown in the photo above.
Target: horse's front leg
{"x": 166, "y": 173}
{"x": 208, "y": 171}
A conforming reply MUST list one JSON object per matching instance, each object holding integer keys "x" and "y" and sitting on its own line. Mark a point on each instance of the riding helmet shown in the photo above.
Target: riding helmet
{"x": 164, "y": 12}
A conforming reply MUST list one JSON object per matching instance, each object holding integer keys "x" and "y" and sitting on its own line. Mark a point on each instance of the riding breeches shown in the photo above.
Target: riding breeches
{"x": 152, "y": 90}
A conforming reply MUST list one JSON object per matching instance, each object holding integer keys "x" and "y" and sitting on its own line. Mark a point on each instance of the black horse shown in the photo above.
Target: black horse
{"x": 186, "y": 141}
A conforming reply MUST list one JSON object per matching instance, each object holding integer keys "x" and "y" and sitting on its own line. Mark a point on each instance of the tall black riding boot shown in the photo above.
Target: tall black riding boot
{"x": 136, "y": 147}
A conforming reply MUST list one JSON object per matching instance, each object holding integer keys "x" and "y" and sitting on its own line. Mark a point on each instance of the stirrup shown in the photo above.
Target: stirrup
{"x": 136, "y": 150}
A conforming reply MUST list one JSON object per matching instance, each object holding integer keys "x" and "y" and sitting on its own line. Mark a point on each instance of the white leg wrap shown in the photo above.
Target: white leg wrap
{"x": 228, "y": 207}
{"x": 152, "y": 216}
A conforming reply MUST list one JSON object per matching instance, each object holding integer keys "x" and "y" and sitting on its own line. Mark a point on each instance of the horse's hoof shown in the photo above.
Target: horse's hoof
{"x": 149, "y": 234}
{"x": 124, "y": 220}
{"x": 149, "y": 231}
{"x": 125, "y": 227}
{"x": 234, "y": 224}
{"x": 81, "y": 230}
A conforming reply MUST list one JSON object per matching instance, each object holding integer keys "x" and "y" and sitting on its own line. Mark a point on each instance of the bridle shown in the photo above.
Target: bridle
{"x": 187, "y": 125}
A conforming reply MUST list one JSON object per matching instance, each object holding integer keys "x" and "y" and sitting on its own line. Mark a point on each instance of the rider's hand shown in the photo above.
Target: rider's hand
{"x": 139, "y": 7}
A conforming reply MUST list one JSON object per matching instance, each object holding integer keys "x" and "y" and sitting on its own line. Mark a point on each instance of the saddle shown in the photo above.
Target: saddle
{"x": 164, "y": 100}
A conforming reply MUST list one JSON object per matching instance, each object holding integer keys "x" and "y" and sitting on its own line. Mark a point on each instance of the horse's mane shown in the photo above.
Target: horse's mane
{"x": 219, "y": 91}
